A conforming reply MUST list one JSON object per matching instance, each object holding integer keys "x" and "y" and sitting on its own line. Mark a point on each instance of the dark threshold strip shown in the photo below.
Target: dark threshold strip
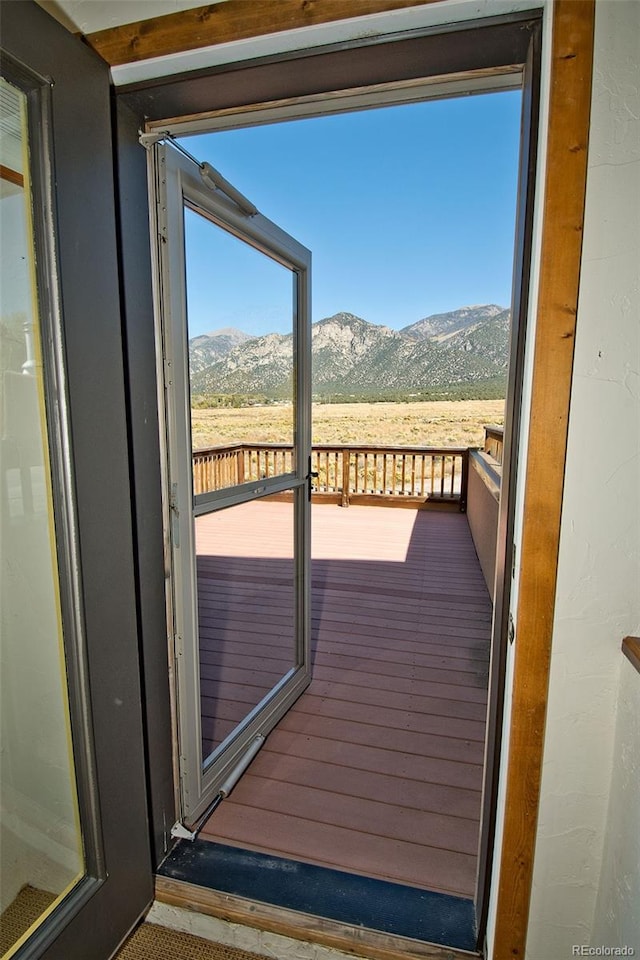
{"x": 348, "y": 898}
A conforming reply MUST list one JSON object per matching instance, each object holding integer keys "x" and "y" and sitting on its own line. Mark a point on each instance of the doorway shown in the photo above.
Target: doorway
{"x": 519, "y": 299}
{"x": 432, "y": 479}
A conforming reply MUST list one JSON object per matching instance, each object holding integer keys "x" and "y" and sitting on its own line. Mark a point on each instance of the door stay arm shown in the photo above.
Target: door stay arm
{"x": 210, "y": 176}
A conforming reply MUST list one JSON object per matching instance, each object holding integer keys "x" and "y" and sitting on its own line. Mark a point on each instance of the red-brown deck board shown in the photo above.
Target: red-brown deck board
{"x": 377, "y": 769}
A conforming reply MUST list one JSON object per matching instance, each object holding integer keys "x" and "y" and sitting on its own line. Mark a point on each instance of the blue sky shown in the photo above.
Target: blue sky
{"x": 408, "y": 211}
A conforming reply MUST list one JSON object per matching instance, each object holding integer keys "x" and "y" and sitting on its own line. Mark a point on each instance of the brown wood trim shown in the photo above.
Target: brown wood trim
{"x": 356, "y": 941}
{"x": 7, "y": 173}
{"x": 226, "y": 22}
{"x": 563, "y": 214}
{"x": 631, "y": 650}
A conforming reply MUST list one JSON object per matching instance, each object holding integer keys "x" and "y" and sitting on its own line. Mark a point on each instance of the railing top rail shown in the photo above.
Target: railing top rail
{"x": 336, "y": 447}
{"x": 388, "y": 448}
{"x": 494, "y": 430}
{"x": 243, "y": 445}
{"x": 219, "y": 448}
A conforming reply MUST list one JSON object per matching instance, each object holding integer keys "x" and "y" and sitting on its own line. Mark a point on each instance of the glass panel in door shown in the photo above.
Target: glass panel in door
{"x": 236, "y": 332}
{"x": 246, "y": 610}
{"x": 240, "y": 315}
{"x": 41, "y": 841}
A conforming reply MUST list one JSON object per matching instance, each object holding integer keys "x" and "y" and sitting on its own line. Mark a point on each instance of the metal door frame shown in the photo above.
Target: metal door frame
{"x": 179, "y": 185}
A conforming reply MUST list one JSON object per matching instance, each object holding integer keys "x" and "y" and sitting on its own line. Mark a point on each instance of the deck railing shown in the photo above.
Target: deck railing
{"x": 494, "y": 441}
{"x": 395, "y": 476}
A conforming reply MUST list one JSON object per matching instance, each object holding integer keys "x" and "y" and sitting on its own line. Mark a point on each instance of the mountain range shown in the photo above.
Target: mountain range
{"x": 465, "y": 348}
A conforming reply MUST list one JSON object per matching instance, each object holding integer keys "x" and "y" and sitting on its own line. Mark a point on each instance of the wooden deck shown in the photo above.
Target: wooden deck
{"x": 377, "y": 768}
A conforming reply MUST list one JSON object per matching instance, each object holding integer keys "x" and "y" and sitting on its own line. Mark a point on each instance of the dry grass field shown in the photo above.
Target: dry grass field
{"x": 456, "y": 423}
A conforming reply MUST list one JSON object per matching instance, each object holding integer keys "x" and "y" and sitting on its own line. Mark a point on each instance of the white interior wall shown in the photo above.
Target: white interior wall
{"x": 89, "y": 16}
{"x": 617, "y": 914}
{"x": 598, "y": 596}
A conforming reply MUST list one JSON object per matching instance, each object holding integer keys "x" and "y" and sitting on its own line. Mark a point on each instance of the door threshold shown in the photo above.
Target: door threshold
{"x": 365, "y": 916}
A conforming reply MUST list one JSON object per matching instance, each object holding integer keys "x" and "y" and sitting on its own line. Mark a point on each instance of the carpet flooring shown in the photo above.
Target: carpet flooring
{"x": 153, "y": 942}
{"x": 28, "y": 906}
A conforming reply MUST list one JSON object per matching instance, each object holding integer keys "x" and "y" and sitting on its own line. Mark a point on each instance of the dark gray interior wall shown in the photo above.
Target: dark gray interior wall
{"x": 145, "y": 456}
{"x": 91, "y": 322}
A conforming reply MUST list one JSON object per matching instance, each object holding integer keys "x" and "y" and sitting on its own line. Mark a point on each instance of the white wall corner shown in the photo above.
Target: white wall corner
{"x": 598, "y": 600}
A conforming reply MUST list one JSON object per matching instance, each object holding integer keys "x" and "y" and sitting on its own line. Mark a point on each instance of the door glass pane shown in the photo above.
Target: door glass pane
{"x": 240, "y": 309}
{"x": 246, "y": 610}
{"x": 41, "y": 843}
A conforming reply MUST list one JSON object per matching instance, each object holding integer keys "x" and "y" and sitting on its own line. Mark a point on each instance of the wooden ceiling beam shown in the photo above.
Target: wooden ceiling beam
{"x": 224, "y": 22}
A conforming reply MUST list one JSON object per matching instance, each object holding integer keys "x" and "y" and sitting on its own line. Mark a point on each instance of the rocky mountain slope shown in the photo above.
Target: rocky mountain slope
{"x": 208, "y": 348}
{"x": 353, "y": 357}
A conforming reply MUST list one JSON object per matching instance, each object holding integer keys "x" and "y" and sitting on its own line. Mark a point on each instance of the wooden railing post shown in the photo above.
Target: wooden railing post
{"x": 464, "y": 481}
{"x": 240, "y": 465}
{"x": 493, "y": 441}
{"x": 346, "y": 476}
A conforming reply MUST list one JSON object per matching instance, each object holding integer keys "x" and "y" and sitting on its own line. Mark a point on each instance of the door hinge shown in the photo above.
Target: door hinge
{"x": 511, "y": 630}
{"x": 167, "y": 370}
{"x": 148, "y": 140}
{"x": 180, "y": 832}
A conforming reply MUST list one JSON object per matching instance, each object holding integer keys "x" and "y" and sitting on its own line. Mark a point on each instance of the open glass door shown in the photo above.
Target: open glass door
{"x": 237, "y": 504}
